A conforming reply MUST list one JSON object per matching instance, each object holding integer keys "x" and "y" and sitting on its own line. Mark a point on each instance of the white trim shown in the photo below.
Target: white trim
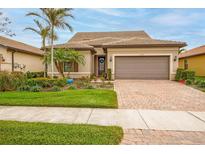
{"x": 156, "y": 54}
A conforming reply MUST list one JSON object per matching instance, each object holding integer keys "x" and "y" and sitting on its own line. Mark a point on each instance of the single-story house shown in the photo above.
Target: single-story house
{"x": 129, "y": 55}
{"x": 17, "y": 56}
{"x": 193, "y": 59}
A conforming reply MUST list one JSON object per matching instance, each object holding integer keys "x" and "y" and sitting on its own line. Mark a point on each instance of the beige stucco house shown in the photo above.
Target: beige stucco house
{"x": 17, "y": 56}
{"x": 129, "y": 55}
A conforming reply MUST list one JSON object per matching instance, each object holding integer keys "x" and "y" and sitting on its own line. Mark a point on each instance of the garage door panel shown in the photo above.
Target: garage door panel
{"x": 154, "y": 67}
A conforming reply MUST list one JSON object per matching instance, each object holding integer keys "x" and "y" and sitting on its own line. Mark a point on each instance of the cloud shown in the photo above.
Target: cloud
{"x": 177, "y": 18}
{"x": 111, "y": 12}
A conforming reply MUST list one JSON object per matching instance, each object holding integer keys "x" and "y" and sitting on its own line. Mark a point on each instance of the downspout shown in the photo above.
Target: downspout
{"x": 12, "y": 61}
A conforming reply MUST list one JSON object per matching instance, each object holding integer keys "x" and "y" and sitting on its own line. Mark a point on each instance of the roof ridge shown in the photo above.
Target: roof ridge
{"x": 114, "y": 31}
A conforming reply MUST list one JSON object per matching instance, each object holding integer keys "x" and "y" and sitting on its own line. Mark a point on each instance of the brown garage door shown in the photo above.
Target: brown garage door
{"x": 152, "y": 67}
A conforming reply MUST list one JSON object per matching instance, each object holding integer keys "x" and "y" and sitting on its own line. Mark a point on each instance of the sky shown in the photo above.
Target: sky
{"x": 187, "y": 25}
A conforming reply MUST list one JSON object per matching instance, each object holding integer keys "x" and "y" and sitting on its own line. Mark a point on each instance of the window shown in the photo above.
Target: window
{"x": 68, "y": 67}
{"x": 185, "y": 64}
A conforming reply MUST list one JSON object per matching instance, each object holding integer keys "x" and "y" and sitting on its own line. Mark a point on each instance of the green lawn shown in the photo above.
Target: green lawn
{"x": 21, "y": 133}
{"x": 70, "y": 98}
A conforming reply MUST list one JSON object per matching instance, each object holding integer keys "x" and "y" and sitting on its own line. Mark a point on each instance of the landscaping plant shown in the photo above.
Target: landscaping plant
{"x": 56, "y": 88}
{"x": 66, "y": 55}
{"x": 109, "y": 74}
{"x": 11, "y": 81}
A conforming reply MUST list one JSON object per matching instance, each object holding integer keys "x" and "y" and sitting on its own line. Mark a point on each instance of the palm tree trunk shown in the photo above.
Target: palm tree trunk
{"x": 52, "y": 66}
{"x": 46, "y": 64}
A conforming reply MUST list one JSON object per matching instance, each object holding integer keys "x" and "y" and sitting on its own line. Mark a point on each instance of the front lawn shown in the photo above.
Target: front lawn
{"x": 93, "y": 98}
{"x": 24, "y": 133}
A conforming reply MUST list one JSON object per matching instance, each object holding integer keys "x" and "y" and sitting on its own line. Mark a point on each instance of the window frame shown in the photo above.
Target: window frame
{"x": 69, "y": 68}
{"x": 186, "y": 66}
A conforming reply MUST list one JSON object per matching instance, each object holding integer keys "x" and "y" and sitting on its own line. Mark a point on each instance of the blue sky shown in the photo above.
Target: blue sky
{"x": 170, "y": 24}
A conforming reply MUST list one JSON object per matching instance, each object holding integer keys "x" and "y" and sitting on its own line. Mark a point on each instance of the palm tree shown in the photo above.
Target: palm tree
{"x": 66, "y": 55}
{"x": 181, "y": 50}
{"x": 43, "y": 32}
{"x": 56, "y": 19}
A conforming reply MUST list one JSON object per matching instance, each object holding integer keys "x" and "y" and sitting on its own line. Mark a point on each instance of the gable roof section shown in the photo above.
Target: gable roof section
{"x": 83, "y": 36}
{"x": 138, "y": 42}
{"x": 19, "y": 46}
{"x": 193, "y": 52}
{"x": 119, "y": 39}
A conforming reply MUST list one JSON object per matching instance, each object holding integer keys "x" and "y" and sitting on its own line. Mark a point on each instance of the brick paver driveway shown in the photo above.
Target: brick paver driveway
{"x": 138, "y": 136}
{"x": 158, "y": 94}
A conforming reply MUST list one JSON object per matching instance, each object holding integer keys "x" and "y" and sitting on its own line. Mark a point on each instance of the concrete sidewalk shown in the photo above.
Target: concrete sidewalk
{"x": 126, "y": 118}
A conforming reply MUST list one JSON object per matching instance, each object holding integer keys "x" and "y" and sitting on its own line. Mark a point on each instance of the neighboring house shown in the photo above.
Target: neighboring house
{"x": 193, "y": 59}
{"x": 129, "y": 55}
{"x": 17, "y": 56}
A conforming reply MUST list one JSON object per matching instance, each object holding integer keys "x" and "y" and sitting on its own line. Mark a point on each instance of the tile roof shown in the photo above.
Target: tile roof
{"x": 134, "y": 41}
{"x": 193, "y": 52}
{"x": 73, "y": 46}
{"x": 82, "y": 36}
{"x": 119, "y": 39}
{"x": 19, "y": 46}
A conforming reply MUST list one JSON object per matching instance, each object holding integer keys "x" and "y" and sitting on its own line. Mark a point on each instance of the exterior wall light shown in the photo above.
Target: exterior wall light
{"x": 175, "y": 58}
{"x": 110, "y": 58}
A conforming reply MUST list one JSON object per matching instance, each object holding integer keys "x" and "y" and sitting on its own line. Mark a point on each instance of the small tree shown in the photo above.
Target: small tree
{"x": 66, "y": 55}
{"x": 4, "y": 23}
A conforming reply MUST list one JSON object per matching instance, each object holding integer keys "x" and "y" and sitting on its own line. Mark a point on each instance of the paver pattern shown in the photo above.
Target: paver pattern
{"x": 159, "y": 95}
{"x": 138, "y": 136}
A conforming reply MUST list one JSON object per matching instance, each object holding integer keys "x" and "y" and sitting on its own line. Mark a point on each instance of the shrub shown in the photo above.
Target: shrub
{"x": 184, "y": 74}
{"x": 55, "y": 77}
{"x": 31, "y": 82}
{"x": 6, "y": 81}
{"x": 11, "y": 81}
{"x": 202, "y": 84}
{"x": 72, "y": 88}
{"x": 189, "y": 82}
{"x": 34, "y": 74}
{"x": 60, "y": 82}
{"x": 93, "y": 77}
{"x": 89, "y": 87}
{"x": 83, "y": 82}
{"x": 46, "y": 82}
{"x": 179, "y": 74}
{"x": 35, "y": 88}
{"x": 109, "y": 74}
{"x": 102, "y": 78}
{"x": 56, "y": 88}
{"x": 23, "y": 88}
{"x": 19, "y": 79}
{"x": 85, "y": 79}
{"x": 187, "y": 74}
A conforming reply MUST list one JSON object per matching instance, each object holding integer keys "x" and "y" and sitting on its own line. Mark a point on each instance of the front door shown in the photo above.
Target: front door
{"x": 101, "y": 65}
